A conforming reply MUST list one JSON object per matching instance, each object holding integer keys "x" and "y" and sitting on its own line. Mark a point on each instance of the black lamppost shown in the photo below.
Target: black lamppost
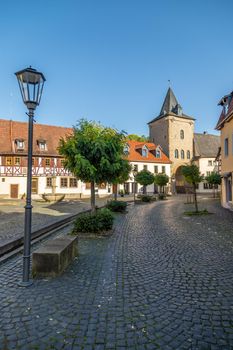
{"x": 31, "y": 85}
{"x": 134, "y": 184}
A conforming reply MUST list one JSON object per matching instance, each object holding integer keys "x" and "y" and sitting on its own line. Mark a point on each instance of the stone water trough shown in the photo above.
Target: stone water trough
{"x": 54, "y": 256}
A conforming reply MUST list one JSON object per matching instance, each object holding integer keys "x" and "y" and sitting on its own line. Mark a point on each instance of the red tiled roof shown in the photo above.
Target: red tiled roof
{"x": 12, "y": 130}
{"x": 136, "y": 156}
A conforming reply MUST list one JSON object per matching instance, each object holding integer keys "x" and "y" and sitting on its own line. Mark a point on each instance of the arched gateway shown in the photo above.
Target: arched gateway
{"x": 179, "y": 180}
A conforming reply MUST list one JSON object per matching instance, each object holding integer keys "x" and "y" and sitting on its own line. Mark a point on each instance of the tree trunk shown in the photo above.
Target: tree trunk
{"x": 195, "y": 198}
{"x": 144, "y": 189}
{"x": 115, "y": 193}
{"x": 93, "y": 209}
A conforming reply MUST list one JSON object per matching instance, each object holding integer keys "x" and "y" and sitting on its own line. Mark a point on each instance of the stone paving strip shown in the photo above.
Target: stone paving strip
{"x": 161, "y": 281}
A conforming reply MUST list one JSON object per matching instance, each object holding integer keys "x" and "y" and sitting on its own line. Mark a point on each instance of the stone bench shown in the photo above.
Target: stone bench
{"x": 54, "y": 256}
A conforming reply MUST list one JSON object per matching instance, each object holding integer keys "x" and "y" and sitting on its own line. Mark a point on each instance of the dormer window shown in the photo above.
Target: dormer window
{"x": 42, "y": 145}
{"x": 126, "y": 150}
{"x": 158, "y": 153}
{"x": 144, "y": 152}
{"x": 19, "y": 144}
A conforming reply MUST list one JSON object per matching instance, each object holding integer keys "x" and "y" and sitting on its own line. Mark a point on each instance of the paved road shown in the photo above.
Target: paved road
{"x": 162, "y": 281}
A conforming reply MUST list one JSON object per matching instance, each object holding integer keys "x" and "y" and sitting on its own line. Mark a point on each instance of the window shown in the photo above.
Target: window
{"x": 49, "y": 182}
{"x": 182, "y": 154}
{"x": 62, "y": 162}
{"x": 176, "y": 153}
{"x": 188, "y": 154}
{"x": 156, "y": 169}
{"x": 126, "y": 150}
{"x": 210, "y": 163}
{"x": 8, "y": 161}
{"x": 88, "y": 185}
{"x": 144, "y": 152}
{"x": 182, "y": 134}
{"x": 64, "y": 182}
{"x": 33, "y": 161}
{"x": 102, "y": 186}
{"x": 163, "y": 169}
{"x": 226, "y": 147}
{"x": 208, "y": 173}
{"x": 144, "y": 167}
{"x": 19, "y": 144}
{"x": 158, "y": 153}
{"x": 73, "y": 182}
{"x": 17, "y": 160}
{"x": 42, "y": 145}
{"x": 47, "y": 162}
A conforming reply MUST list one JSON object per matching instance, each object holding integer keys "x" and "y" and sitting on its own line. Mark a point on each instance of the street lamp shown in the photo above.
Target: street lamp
{"x": 31, "y": 84}
{"x": 134, "y": 184}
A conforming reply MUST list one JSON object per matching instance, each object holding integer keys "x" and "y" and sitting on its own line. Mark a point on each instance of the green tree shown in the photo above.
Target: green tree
{"x": 124, "y": 175}
{"x": 214, "y": 179}
{"x": 192, "y": 175}
{"x": 139, "y": 138}
{"x": 161, "y": 180}
{"x": 145, "y": 178}
{"x": 93, "y": 153}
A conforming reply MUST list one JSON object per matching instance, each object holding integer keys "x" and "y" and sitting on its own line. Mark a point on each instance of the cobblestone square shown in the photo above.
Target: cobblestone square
{"x": 161, "y": 281}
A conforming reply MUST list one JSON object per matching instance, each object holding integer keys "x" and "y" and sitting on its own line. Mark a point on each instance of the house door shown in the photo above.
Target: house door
{"x": 35, "y": 185}
{"x": 14, "y": 191}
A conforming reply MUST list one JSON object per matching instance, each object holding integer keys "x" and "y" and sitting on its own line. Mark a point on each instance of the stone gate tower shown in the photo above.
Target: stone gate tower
{"x": 174, "y": 132}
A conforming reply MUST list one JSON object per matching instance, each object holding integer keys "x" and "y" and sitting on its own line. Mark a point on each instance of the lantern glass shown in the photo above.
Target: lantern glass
{"x": 31, "y": 84}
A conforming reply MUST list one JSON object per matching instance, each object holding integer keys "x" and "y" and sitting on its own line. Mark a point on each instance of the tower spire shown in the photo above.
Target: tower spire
{"x": 170, "y": 102}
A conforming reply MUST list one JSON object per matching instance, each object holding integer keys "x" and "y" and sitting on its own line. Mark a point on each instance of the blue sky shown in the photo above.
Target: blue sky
{"x": 110, "y": 61}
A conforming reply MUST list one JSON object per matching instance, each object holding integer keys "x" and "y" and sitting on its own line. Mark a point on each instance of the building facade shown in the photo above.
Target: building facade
{"x": 149, "y": 156}
{"x": 174, "y": 131}
{"x": 225, "y": 126}
{"x": 48, "y": 172}
{"x": 206, "y": 148}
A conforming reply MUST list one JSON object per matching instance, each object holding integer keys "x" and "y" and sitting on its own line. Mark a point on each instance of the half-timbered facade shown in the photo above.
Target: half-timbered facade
{"x": 48, "y": 172}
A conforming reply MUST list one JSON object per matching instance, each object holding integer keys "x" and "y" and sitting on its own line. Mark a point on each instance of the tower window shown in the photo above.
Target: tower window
{"x": 176, "y": 153}
{"x": 182, "y": 134}
{"x": 188, "y": 154}
{"x": 182, "y": 154}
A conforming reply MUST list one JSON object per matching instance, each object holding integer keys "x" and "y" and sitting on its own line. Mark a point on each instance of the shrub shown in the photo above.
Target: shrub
{"x": 146, "y": 198}
{"x": 117, "y": 206}
{"x": 101, "y": 220}
{"x": 162, "y": 196}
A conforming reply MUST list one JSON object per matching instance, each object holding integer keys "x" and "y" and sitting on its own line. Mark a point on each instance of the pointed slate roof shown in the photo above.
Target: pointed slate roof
{"x": 206, "y": 145}
{"x": 170, "y": 102}
{"x": 172, "y": 107}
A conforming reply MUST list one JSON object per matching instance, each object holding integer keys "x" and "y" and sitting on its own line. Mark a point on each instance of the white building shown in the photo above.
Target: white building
{"x": 145, "y": 155}
{"x": 206, "y": 148}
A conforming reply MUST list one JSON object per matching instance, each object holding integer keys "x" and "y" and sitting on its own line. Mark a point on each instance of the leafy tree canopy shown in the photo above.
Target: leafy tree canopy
{"x": 126, "y": 168}
{"x": 93, "y": 153}
{"x": 161, "y": 179}
{"x": 144, "y": 177}
{"x": 135, "y": 137}
{"x": 214, "y": 179}
{"x": 192, "y": 174}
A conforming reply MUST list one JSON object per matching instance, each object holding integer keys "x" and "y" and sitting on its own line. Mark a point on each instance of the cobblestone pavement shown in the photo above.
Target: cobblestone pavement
{"x": 161, "y": 281}
{"x": 12, "y": 215}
